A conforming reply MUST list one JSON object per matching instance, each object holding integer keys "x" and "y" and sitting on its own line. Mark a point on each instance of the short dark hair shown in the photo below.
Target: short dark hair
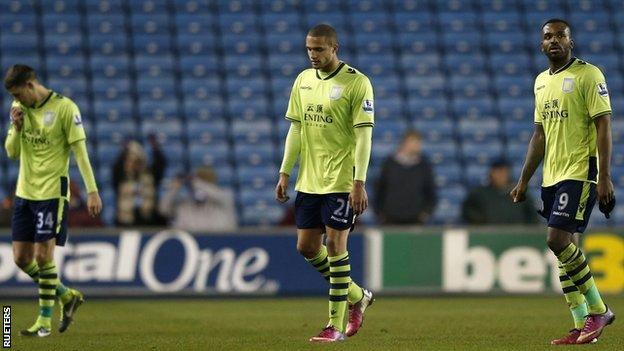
{"x": 411, "y": 133}
{"x": 557, "y": 20}
{"x": 18, "y": 75}
{"x": 324, "y": 30}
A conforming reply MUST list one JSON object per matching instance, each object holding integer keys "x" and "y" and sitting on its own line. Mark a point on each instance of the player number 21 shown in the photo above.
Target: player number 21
{"x": 343, "y": 206}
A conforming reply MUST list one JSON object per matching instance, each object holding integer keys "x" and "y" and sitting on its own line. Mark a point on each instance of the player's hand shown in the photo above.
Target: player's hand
{"x": 94, "y": 204}
{"x": 605, "y": 190}
{"x": 17, "y": 118}
{"x": 518, "y": 194}
{"x": 358, "y": 199}
{"x": 281, "y": 187}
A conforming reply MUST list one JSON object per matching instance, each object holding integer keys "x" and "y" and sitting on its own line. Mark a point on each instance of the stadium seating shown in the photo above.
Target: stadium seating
{"x": 211, "y": 79}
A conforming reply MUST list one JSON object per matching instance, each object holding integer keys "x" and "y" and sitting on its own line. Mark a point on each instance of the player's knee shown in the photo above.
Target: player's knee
{"x": 22, "y": 260}
{"x": 42, "y": 259}
{"x": 556, "y": 244}
{"x": 307, "y": 250}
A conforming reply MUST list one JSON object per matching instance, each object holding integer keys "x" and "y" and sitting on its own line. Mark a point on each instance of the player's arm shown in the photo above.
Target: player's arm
{"x": 363, "y": 144}
{"x": 292, "y": 149}
{"x": 12, "y": 142}
{"x": 534, "y": 157}
{"x": 94, "y": 203}
{"x": 603, "y": 131}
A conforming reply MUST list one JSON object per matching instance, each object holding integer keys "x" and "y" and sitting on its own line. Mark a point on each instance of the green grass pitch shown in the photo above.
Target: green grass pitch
{"x": 444, "y": 323}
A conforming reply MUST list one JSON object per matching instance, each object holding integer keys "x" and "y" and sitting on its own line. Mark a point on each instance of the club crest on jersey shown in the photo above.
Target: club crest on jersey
{"x": 48, "y": 118}
{"x": 568, "y": 85}
{"x": 367, "y": 106}
{"x": 336, "y": 92}
{"x": 602, "y": 89}
{"x": 77, "y": 119}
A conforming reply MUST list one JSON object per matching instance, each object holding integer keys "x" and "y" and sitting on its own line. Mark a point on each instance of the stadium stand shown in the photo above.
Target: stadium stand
{"x": 211, "y": 79}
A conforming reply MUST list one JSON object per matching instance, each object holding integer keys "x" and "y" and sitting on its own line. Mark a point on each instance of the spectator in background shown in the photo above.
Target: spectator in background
{"x": 490, "y": 204}
{"x": 136, "y": 185}
{"x": 405, "y": 191}
{"x": 197, "y": 203}
{"x": 6, "y": 208}
{"x": 78, "y": 211}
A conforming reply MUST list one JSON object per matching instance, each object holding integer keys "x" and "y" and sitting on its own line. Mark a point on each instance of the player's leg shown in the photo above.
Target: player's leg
{"x": 44, "y": 255}
{"x": 574, "y": 202}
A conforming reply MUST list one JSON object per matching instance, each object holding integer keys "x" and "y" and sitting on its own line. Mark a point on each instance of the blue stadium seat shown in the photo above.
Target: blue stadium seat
{"x": 448, "y": 210}
{"x": 156, "y": 89}
{"x": 258, "y": 132}
{"x": 193, "y": 6}
{"x": 209, "y": 154}
{"x": 199, "y": 66}
{"x": 617, "y": 128}
{"x": 64, "y": 45}
{"x": 246, "y": 88}
{"x": 110, "y": 67}
{"x": 511, "y": 64}
{"x": 283, "y": 7}
{"x": 225, "y": 175}
{"x": 486, "y": 129}
{"x": 105, "y": 24}
{"x": 195, "y": 25}
{"x": 107, "y": 89}
{"x": 586, "y": 6}
{"x": 286, "y": 44}
{"x": 158, "y": 110}
{"x": 447, "y": 175}
{"x": 237, "y": 23}
{"x": 458, "y": 22}
{"x": 462, "y": 42}
{"x": 74, "y": 88}
{"x": 287, "y": 66}
{"x": 507, "y": 22}
{"x": 420, "y": 22}
{"x": 477, "y": 175}
{"x": 481, "y": 153}
{"x": 107, "y": 153}
{"x": 65, "y": 67}
{"x": 516, "y": 151}
{"x": 389, "y": 131}
{"x": 248, "y": 110}
{"x": 470, "y": 86}
{"x": 204, "y": 110}
{"x": 283, "y": 23}
{"x": 108, "y": 45}
{"x": 104, "y": 7}
{"x": 373, "y": 43}
{"x": 116, "y": 132}
{"x": 16, "y": 24}
{"x": 498, "y": 6}
{"x": 386, "y": 86}
{"x": 464, "y": 65}
{"x": 254, "y": 154}
{"x": 62, "y": 24}
{"x": 335, "y": 19}
{"x": 474, "y": 109}
{"x": 261, "y": 177}
{"x": 200, "y": 45}
{"x": 241, "y": 44}
{"x": 417, "y": 43}
{"x": 381, "y": 151}
{"x": 411, "y": 6}
{"x": 116, "y": 110}
{"x": 167, "y": 133}
{"x": 150, "y": 24}
{"x": 263, "y": 214}
{"x": 506, "y": 43}
{"x": 148, "y": 7}
{"x": 518, "y": 131}
{"x": 207, "y": 132}
{"x": 17, "y": 7}
{"x": 426, "y": 64}
{"x": 513, "y": 87}
{"x": 201, "y": 88}
{"x": 154, "y": 66}
{"x": 609, "y": 63}
{"x": 366, "y": 22}
{"x": 389, "y": 108}
{"x": 31, "y": 58}
{"x": 517, "y": 109}
{"x": 18, "y": 43}
{"x": 596, "y": 42}
{"x": 435, "y": 130}
{"x": 236, "y": 7}
{"x": 535, "y": 19}
{"x": 376, "y": 66}
{"x": 425, "y": 86}
{"x": 428, "y": 108}
{"x": 441, "y": 152}
{"x": 157, "y": 44}
{"x": 243, "y": 67}
{"x": 366, "y": 6}
{"x": 594, "y": 22}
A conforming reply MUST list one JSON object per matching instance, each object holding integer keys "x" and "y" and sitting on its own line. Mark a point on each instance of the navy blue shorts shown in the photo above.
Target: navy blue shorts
{"x": 320, "y": 210}
{"x": 39, "y": 221}
{"x": 567, "y": 205}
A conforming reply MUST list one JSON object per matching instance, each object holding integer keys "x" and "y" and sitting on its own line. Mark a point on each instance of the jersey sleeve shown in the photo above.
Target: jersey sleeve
{"x": 596, "y": 93}
{"x": 362, "y": 103}
{"x": 537, "y": 119}
{"x": 73, "y": 127}
{"x": 294, "y": 103}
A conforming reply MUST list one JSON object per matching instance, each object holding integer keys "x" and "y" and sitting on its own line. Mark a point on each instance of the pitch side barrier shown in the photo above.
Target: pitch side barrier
{"x": 264, "y": 262}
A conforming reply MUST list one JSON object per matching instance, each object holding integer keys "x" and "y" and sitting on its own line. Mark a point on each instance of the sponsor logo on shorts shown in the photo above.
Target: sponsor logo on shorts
{"x": 341, "y": 220}
{"x": 561, "y": 214}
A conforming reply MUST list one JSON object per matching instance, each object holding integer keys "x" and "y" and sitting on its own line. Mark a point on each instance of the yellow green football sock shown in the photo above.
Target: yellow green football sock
{"x": 575, "y": 300}
{"x": 339, "y": 279}
{"x": 321, "y": 264}
{"x": 62, "y": 292}
{"x": 48, "y": 279}
{"x": 575, "y": 264}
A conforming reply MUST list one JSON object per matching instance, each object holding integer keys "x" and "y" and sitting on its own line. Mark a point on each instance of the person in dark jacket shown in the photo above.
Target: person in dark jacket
{"x": 406, "y": 191}
{"x": 490, "y": 204}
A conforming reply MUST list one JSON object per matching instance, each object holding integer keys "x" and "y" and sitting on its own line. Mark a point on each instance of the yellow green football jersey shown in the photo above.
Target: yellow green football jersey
{"x": 328, "y": 108}
{"x": 566, "y": 103}
{"x": 47, "y": 133}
